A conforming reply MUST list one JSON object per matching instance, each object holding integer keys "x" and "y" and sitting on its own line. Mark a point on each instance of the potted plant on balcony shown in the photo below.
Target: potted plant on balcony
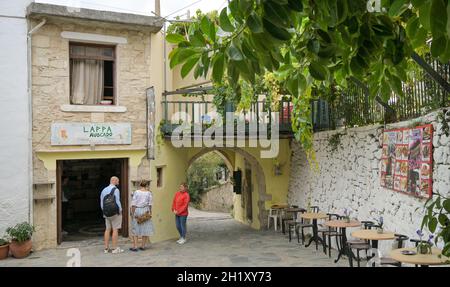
{"x": 20, "y": 235}
{"x": 4, "y": 248}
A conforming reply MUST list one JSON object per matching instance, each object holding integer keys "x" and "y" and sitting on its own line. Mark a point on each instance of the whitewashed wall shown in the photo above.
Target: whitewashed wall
{"x": 14, "y": 115}
{"x": 350, "y": 177}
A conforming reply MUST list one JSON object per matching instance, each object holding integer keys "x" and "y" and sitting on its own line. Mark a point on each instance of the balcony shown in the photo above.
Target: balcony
{"x": 193, "y": 111}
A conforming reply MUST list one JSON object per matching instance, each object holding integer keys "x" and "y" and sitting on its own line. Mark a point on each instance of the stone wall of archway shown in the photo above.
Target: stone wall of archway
{"x": 227, "y": 154}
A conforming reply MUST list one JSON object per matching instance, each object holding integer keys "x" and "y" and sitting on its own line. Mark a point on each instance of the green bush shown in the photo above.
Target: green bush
{"x": 20, "y": 232}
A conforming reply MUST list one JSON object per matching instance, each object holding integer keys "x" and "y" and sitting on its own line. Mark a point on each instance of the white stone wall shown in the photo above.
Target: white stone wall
{"x": 14, "y": 115}
{"x": 350, "y": 177}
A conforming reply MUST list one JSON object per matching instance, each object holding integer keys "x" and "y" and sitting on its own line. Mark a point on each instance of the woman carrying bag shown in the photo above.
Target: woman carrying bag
{"x": 141, "y": 214}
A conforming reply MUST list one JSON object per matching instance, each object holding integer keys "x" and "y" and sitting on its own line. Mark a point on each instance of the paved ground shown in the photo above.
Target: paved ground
{"x": 214, "y": 239}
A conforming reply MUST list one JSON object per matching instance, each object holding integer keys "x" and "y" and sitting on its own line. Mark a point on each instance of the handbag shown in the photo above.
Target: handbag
{"x": 144, "y": 217}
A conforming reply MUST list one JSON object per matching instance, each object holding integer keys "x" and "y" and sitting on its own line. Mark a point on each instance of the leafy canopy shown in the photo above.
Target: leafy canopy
{"x": 309, "y": 44}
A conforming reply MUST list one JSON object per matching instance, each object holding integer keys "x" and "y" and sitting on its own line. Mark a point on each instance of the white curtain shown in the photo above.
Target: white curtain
{"x": 87, "y": 82}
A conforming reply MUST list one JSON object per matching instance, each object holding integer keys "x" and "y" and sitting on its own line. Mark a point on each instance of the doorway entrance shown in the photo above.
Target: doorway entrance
{"x": 79, "y": 184}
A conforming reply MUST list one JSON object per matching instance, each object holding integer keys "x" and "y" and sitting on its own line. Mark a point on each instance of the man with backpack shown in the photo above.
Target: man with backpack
{"x": 112, "y": 212}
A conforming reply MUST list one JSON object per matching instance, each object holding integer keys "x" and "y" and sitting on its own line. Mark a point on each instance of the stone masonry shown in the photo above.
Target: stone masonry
{"x": 218, "y": 198}
{"x": 51, "y": 90}
{"x": 350, "y": 177}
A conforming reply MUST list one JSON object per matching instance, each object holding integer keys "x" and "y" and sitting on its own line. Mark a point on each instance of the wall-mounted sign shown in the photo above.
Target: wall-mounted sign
{"x": 407, "y": 160}
{"x": 91, "y": 133}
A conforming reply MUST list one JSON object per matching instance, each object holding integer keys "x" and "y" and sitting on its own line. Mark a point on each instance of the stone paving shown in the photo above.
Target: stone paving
{"x": 214, "y": 239}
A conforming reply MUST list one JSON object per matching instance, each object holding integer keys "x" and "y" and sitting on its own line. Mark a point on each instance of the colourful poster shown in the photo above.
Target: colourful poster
{"x": 406, "y": 164}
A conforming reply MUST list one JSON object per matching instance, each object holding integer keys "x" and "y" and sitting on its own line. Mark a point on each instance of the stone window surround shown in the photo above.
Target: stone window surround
{"x": 96, "y": 39}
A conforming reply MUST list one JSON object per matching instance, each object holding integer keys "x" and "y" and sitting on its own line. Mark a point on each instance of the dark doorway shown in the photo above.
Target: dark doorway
{"x": 80, "y": 183}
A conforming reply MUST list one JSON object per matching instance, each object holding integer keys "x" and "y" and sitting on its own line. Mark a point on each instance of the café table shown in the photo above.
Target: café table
{"x": 373, "y": 236}
{"x": 423, "y": 260}
{"x": 314, "y": 216}
{"x": 343, "y": 225}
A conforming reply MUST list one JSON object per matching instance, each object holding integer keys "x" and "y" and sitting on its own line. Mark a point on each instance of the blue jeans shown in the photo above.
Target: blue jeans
{"x": 181, "y": 225}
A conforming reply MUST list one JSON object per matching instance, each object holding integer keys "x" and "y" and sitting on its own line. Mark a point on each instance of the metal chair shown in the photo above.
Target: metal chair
{"x": 328, "y": 232}
{"x": 305, "y": 224}
{"x": 293, "y": 224}
{"x": 288, "y": 217}
{"x": 359, "y": 245}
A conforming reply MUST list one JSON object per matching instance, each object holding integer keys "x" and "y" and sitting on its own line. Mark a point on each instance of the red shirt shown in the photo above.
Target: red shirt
{"x": 181, "y": 202}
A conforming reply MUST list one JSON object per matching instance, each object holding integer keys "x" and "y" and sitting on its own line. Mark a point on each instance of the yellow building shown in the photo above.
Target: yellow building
{"x": 95, "y": 77}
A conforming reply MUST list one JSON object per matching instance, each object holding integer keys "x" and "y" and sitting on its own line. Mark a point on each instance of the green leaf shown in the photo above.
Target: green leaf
{"x": 224, "y": 21}
{"x": 313, "y": 46}
{"x": 197, "y": 39}
{"x": 235, "y": 11}
{"x": 276, "y": 14}
{"x": 446, "y": 249}
{"x": 234, "y": 52}
{"x": 276, "y": 32}
{"x": 218, "y": 67}
{"x": 342, "y": 10}
{"x": 205, "y": 25}
{"x": 420, "y": 38}
{"x": 318, "y": 71}
{"x": 424, "y": 222}
{"x": 182, "y": 55}
{"x": 396, "y": 85}
{"x": 443, "y": 219}
{"x": 292, "y": 85}
{"x": 446, "y": 205}
{"x": 254, "y": 23}
{"x": 187, "y": 67}
{"x": 175, "y": 38}
{"x": 424, "y": 15}
{"x": 398, "y": 7}
{"x": 438, "y": 18}
{"x": 412, "y": 26}
{"x": 244, "y": 6}
{"x": 296, "y": 5}
{"x": 432, "y": 224}
{"x": 212, "y": 32}
{"x": 438, "y": 46}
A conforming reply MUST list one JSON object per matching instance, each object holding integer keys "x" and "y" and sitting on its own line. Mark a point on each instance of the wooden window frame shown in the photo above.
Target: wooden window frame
{"x": 102, "y": 58}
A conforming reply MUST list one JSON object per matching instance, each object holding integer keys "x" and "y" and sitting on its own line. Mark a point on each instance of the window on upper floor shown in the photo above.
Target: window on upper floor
{"x": 92, "y": 74}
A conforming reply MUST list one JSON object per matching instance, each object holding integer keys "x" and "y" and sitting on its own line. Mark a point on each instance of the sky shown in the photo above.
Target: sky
{"x": 169, "y": 8}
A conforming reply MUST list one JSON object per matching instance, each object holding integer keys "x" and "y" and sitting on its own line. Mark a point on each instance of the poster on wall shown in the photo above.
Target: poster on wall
{"x": 406, "y": 163}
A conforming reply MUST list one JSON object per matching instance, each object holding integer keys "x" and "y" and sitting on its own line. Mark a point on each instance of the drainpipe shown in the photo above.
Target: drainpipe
{"x": 30, "y": 120}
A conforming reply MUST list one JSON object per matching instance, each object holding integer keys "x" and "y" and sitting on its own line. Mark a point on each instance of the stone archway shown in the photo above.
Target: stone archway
{"x": 259, "y": 172}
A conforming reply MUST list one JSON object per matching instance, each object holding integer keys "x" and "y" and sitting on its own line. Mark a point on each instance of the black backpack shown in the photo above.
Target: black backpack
{"x": 110, "y": 207}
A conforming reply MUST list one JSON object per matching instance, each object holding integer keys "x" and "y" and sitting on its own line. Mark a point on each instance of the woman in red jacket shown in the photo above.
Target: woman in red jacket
{"x": 180, "y": 208}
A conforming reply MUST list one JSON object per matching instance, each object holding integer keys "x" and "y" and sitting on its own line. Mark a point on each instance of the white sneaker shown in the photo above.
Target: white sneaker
{"x": 117, "y": 250}
{"x": 179, "y": 240}
{"x": 182, "y": 241}
{"x": 106, "y": 250}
